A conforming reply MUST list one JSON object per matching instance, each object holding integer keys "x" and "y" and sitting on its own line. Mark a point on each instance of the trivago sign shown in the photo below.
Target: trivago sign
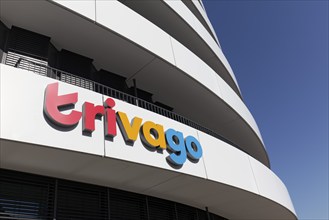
{"x": 151, "y": 134}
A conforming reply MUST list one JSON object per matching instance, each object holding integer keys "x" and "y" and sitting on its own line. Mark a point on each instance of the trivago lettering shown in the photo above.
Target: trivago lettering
{"x": 151, "y": 134}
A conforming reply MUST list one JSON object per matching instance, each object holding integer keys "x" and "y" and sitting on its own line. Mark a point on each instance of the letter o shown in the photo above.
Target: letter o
{"x": 194, "y": 149}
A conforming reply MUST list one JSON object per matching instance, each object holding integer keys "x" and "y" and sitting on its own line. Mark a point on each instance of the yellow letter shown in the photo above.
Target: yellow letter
{"x": 129, "y": 131}
{"x": 153, "y": 135}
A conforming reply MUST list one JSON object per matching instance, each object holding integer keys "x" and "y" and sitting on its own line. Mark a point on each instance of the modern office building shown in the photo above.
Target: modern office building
{"x": 126, "y": 110}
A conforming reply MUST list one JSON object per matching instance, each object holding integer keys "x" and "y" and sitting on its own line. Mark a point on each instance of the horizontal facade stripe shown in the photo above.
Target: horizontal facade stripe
{"x": 198, "y": 15}
{"x": 252, "y": 187}
{"x": 188, "y": 16}
{"x": 188, "y": 31}
{"x": 203, "y": 12}
{"x": 162, "y": 45}
{"x": 99, "y": 93}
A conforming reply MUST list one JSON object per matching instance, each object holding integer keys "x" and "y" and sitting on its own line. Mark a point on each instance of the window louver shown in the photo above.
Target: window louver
{"x": 186, "y": 212}
{"x": 160, "y": 209}
{"x": 81, "y": 201}
{"x": 21, "y": 60}
{"x": 28, "y": 43}
{"x": 26, "y": 196}
{"x": 127, "y": 206}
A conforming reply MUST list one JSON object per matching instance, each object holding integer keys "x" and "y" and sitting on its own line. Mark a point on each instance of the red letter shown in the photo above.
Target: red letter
{"x": 53, "y": 102}
{"x": 89, "y": 114}
{"x": 110, "y": 118}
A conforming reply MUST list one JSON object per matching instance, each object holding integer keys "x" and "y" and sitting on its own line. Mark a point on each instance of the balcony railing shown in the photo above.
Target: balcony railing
{"x": 25, "y": 63}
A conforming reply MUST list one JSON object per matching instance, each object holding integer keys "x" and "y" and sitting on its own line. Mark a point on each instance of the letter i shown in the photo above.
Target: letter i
{"x": 110, "y": 119}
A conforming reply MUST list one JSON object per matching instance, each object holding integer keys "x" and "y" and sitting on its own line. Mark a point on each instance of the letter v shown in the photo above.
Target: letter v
{"x": 128, "y": 131}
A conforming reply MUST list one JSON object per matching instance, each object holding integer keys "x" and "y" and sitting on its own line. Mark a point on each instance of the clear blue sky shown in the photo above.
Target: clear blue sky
{"x": 279, "y": 53}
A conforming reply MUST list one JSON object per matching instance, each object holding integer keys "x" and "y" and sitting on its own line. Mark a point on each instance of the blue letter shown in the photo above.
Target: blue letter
{"x": 176, "y": 144}
{"x": 194, "y": 150}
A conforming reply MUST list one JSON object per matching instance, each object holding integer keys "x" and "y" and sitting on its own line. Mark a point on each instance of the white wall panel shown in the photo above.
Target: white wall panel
{"x": 139, "y": 154}
{"x": 227, "y": 66}
{"x": 22, "y": 120}
{"x": 204, "y": 15}
{"x": 28, "y": 93}
{"x": 195, "y": 67}
{"x": 227, "y": 164}
{"x": 126, "y": 22}
{"x": 22, "y": 106}
{"x": 184, "y": 12}
{"x": 22, "y": 117}
{"x": 230, "y": 97}
{"x": 180, "y": 8}
{"x": 83, "y": 7}
{"x": 270, "y": 186}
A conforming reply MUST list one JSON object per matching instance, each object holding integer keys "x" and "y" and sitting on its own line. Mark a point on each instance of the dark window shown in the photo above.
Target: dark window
{"x": 113, "y": 81}
{"x": 163, "y": 106}
{"x": 127, "y": 206}
{"x": 216, "y": 217}
{"x": 75, "y": 64}
{"x": 202, "y": 215}
{"x": 25, "y": 196}
{"x": 186, "y": 212}
{"x": 3, "y": 35}
{"x": 81, "y": 201}
{"x": 144, "y": 95}
{"x": 52, "y": 55}
{"x": 28, "y": 43}
{"x": 160, "y": 209}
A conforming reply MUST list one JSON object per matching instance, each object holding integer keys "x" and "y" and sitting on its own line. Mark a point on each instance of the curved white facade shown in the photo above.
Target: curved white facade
{"x": 231, "y": 178}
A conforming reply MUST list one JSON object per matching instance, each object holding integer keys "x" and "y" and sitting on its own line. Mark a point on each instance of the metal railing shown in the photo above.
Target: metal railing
{"x": 60, "y": 75}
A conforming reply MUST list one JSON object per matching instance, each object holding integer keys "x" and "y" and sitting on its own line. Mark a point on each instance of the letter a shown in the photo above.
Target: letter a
{"x": 153, "y": 135}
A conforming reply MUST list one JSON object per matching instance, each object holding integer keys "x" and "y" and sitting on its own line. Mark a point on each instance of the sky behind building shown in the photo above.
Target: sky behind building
{"x": 279, "y": 53}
